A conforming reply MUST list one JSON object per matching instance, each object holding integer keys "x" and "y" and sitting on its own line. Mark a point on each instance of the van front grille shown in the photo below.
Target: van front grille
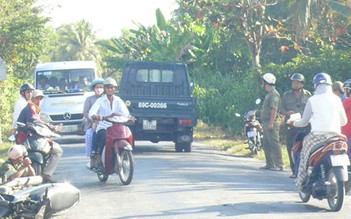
{"x": 61, "y": 117}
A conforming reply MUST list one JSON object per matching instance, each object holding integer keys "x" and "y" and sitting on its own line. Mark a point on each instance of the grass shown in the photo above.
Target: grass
{"x": 214, "y": 136}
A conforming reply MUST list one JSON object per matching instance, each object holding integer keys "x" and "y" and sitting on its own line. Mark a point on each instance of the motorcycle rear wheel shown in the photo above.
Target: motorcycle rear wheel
{"x": 336, "y": 201}
{"x": 126, "y": 170}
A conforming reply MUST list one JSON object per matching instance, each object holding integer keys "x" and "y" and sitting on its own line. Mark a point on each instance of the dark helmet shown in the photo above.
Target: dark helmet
{"x": 298, "y": 77}
{"x": 26, "y": 87}
{"x": 95, "y": 82}
{"x": 347, "y": 84}
{"x": 321, "y": 78}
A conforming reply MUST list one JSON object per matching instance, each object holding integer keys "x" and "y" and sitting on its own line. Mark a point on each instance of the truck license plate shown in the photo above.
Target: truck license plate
{"x": 340, "y": 160}
{"x": 149, "y": 124}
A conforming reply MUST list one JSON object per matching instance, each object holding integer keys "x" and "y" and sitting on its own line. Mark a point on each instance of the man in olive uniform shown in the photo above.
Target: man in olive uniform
{"x": 294, "y": 101}
{"x": 269, "y": 117}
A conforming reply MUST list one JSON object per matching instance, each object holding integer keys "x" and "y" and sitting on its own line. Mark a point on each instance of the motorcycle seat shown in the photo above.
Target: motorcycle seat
{"x": 317, "y": 147}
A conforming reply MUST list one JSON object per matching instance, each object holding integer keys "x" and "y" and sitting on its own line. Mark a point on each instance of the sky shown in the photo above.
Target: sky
{"x": 108, "y": 17}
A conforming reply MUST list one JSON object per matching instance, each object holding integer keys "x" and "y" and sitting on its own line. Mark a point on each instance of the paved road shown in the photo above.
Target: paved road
{"x": 202, "y": 184}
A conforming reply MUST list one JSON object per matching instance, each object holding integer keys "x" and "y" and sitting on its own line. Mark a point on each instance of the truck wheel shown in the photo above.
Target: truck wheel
{"x": 178, "y": 147}
{"x": 187, "y": 147}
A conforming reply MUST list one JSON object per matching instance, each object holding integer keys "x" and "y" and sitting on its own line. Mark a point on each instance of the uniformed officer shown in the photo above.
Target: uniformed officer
{"x": 269, "y": 117}
{"x": 294, "y": 101}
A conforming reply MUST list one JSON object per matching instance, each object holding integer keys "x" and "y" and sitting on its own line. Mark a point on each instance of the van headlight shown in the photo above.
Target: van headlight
{"x": 45, "y": 117}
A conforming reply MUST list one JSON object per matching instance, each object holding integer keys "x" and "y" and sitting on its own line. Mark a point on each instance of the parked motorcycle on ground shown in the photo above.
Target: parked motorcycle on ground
{"x": 253, "y": 130}
{"x": 27, "y": 197}
{"x": 117, "y": 156}
{"x": 328, "y": 176}
{"x": 37, "y": 139}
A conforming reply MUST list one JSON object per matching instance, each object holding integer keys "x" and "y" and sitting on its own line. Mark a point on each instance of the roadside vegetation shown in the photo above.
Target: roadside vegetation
{"x": 237, "y": 146}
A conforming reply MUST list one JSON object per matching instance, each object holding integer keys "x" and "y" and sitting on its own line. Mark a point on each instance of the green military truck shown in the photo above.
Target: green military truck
{"x": 159, "y": 95}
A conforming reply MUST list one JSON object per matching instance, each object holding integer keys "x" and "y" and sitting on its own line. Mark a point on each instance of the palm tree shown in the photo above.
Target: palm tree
{"x": 77, "y": 42}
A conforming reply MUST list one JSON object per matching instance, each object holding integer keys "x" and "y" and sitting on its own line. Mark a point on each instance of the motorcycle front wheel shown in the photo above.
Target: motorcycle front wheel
{"x": 102, "y": 177}
{"x": 336, "y": 200}
{"x": 305, "y": 197}
{"x": 126, "y": 168}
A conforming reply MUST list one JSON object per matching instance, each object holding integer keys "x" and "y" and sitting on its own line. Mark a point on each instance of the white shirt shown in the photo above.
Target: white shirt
{"x": 102, "y": 107}
{"x": 325, "y": 112}
{"x": 20, "y": 104}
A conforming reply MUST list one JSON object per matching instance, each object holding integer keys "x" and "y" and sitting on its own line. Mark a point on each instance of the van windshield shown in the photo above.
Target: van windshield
{"x": 75, "y": 80}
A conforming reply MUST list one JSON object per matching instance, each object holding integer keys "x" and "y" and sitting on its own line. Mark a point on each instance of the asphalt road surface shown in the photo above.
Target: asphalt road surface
{"x": 202, "y": 184}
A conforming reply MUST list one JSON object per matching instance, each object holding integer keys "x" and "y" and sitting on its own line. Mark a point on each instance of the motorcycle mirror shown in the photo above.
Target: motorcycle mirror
{"x": 258, "y": 101}
{"x": 237, "y": 115}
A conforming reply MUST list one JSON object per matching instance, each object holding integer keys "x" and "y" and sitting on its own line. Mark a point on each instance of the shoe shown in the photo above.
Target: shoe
{"x": 277, "y": 168}
{"x": 265, "y": 167}
{"x": 292, "y": 176}
{"x": 47, "y": 179}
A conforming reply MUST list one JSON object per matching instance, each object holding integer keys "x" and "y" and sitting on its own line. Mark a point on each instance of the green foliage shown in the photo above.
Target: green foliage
{"x": 23, "y": 41}
{"x": 76, "y": 42}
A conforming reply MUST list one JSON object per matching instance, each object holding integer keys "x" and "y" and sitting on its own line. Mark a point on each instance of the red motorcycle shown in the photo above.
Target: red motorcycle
{"x": 117, "y": 156}
{"x": 327, "y": 171}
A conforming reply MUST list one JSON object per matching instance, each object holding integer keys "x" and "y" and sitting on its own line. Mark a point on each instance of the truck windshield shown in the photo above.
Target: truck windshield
{"x": 76, "y": 80}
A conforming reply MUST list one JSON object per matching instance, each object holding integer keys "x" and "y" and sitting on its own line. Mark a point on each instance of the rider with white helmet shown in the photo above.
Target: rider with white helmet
{"x": 325, "y": 113}
{"x": 17, "y": 164}
{"x": 269, "y": 117}
{"x": 104, "y": 106}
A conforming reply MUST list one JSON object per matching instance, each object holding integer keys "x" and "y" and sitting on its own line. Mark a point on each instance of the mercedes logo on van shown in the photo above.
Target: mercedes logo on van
{"x": 67, "y": 116}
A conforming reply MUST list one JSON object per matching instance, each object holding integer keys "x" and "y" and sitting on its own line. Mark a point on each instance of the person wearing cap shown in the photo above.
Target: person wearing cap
{"x": 326, "y": 114}
{"x": 338, "y": 89}
{"x": 271, "y": 125}
{"x": 104, "y": 106}
{"x": 31, "y": 113}
{"x": 26, "y": 91}
{"x": 17, "y": 164}
{"x": 294, "y": 101}
{"x": 97, "y": 85}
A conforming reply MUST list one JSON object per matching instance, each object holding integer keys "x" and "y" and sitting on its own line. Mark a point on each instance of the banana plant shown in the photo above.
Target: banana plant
{"x": 163, "y": 41}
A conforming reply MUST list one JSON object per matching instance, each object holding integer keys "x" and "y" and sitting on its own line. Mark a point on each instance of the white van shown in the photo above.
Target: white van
{"x": 66, "y": 86}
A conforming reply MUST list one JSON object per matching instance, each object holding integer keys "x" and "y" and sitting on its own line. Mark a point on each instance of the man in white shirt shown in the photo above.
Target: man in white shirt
{"x": 325, "y": 112}
{"x": 26, "y": 91}
{"x": 106, "y": 105}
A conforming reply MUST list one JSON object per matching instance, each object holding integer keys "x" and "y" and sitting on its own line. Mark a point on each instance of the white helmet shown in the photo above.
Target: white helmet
{"x": 15, "y": 152}
{"x": 269, "y": 78}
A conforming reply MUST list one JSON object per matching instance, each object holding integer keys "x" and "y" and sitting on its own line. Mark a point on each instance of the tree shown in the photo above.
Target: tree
{"x": 76, "y": 42}
{"x": 23, "y": 41}
{"x": 246, "y": 18}
{"x": 163, "y": 41}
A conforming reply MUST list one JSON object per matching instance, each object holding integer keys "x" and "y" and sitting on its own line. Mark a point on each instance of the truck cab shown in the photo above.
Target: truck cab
{"x": 65, "y": 86}
{"x": 159, "y": 95}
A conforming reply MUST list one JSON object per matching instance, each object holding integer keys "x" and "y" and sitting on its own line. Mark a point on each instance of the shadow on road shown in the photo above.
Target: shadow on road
{"x": 238, "y": 209}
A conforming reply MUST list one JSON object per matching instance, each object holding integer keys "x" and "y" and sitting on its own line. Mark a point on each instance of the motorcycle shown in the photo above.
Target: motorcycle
{"x": 37, "y": 139}
{"x": 117, "y": 156}
{"x": 27, "y": 197}
{"x": 328, "y": 175}
{"x": 253, "y": 130}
